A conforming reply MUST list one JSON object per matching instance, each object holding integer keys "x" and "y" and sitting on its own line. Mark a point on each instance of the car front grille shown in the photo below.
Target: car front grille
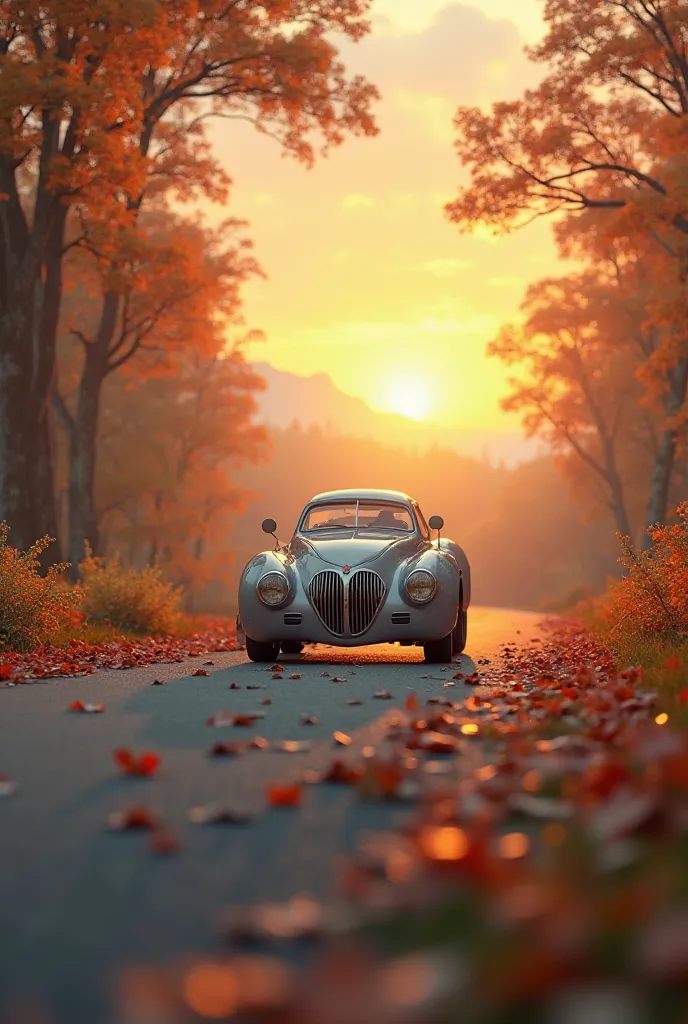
{"x": 365, "y": 594}
{"x": 327, "y": 594}
{"x": 366, "y": 591}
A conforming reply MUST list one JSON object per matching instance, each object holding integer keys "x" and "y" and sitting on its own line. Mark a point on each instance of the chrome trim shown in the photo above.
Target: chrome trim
{"x": 273, "y": 572}
{"x": 326, "y": 591}
{"x": 347, "y": 606}
{"x": 366, "y": 593}
{"x": 425, "y": 572}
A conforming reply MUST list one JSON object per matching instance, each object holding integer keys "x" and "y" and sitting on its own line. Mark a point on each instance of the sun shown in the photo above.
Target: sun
{"x": 408, "y": 396}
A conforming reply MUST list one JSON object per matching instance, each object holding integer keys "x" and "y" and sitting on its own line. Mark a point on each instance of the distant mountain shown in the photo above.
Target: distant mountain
{"x": 316, "y": 401}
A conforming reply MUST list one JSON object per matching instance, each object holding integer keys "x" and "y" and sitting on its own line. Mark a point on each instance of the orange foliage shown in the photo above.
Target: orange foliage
{"x": 652, "y": 598}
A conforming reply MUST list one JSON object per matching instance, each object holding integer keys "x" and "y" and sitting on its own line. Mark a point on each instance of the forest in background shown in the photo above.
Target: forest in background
{"x": 127, "y": 408}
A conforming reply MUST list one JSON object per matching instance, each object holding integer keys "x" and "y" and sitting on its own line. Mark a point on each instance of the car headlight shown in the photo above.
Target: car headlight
{"x": 273, "y": 589}
{"x": 421, "y": 586}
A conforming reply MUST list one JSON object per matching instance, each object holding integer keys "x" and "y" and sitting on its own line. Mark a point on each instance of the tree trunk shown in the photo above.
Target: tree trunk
{"x": 27, "y": 498}
{"x": 83, "y": 439}
{"x": 665, "y": 458}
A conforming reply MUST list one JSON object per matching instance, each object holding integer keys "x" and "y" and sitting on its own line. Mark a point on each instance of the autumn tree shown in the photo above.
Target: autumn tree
{"x": 577, "y": 385}
{"x": 69, "y": 76}
{"x": 170, "y": 499}
{"x": 178, "y": 287}
{"x": 267, "y": 63}
{"x": 604, "y": 131}
{"x": 92, "y": 94}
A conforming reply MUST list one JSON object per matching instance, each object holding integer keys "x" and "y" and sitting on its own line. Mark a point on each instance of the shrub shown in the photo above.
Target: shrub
{"x": 33, "y": 605}
{"x": 651, "y": 600}
{"x": 133, "y": 600}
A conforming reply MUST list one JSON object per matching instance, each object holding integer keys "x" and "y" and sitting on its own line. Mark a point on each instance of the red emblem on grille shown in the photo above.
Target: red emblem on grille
{"x": 347, "y": 569}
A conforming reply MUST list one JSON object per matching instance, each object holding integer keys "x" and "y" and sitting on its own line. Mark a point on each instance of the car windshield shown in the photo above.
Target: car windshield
{"x": 358, "y": 515}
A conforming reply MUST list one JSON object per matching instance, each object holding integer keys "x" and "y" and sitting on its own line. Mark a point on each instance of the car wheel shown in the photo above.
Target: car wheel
{"x": 292, "y": 647}
{"x": 257, "y": 650}
{"x": 439, "y": 650}
{"x": 460, "y": 634}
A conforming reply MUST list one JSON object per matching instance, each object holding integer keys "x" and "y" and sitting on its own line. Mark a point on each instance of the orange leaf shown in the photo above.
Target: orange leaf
{"x": 280, "y": 795}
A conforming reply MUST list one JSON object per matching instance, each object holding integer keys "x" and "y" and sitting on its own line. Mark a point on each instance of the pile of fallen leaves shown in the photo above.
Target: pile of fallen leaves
{"x": 78, "y": 657}
{"x": 541, "y": 873}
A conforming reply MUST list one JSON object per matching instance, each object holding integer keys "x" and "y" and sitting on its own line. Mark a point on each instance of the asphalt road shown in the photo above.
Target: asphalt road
{"x": 77, "y": 901}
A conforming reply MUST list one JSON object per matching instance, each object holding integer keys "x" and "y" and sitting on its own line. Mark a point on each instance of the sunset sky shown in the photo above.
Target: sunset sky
{"x": 367, "y": 281}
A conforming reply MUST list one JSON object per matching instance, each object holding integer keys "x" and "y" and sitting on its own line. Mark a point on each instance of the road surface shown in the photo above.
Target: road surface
{"x": 77, "y": 902}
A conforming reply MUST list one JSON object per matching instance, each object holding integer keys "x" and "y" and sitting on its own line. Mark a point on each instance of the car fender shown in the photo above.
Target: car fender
{"x": 257, "y": 567}
{"x": 443, "y": 567}
{"x": 459, "y": 555}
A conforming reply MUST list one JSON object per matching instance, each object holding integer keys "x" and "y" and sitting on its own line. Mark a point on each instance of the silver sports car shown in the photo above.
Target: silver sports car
{"x": 361, "y": 568}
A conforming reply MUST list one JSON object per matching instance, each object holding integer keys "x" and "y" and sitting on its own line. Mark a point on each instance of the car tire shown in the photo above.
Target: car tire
{"x": 258, "y": 650}
{"x": 292, "y": 647}
{"x": 460, "y": 634}
{"x": 437, "y": 651}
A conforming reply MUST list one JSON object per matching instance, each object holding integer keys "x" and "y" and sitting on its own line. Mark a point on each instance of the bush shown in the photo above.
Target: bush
{"x": 644, "y": 616}
{"x": 33, "y": 606}
{"x": 135, "y": 601}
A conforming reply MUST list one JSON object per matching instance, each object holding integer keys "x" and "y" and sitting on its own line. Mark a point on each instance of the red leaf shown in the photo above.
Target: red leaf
{"x": 146, "y": 764}
{"x": 200, "y": 672}
{"x": 280, "y": 795}
{"x": 6, "y": 670}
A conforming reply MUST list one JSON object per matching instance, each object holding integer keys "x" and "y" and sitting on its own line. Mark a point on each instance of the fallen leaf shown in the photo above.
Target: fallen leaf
{"x": 224, "y": 750}
{"x": 89, "y": 709}
{"x": 255, "y": 686}
{"x": 281, "y": 795}
{"x": 132, "y": 819}
{"x": 200, "y": 672}
{"x": 144, "y": 765}
{"x": 158, "y": 682}
{"x": 295, "y": 675}
{"x": 355, "y": 700}
{"x": 233, "y": 686}
{"x": 276, "y": 668}
{"x": 411, "y": 703}
{"x": 339, "y": 679}
{"x": 275, "y": 675}
{"x": 208, "y": 662}
{"x": 259, "y": 743}
{"x": 266, "y": 700}
{"x": 292, "y": 746}
{"x": 382, "y": 695}
{"x": 341, "y": 739}
{"x": 309, "y": 720}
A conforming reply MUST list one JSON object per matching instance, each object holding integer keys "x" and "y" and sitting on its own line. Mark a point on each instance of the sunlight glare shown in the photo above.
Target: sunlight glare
{"x": 408, "y": 396}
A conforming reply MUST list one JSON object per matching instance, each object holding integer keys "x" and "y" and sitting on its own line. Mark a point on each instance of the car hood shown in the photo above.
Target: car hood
{"x": 341, "y": 551}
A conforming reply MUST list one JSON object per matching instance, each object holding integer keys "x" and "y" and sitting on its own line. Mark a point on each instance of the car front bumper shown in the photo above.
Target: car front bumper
{"x": 394, "y": 622}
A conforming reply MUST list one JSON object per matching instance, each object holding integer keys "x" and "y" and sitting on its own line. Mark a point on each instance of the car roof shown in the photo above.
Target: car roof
{"x": 363, "y": 493}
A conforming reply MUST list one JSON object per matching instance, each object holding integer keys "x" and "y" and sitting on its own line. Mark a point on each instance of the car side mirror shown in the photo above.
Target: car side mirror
{"x": 436, "y": 523}
{"x": 269, "y": 526}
